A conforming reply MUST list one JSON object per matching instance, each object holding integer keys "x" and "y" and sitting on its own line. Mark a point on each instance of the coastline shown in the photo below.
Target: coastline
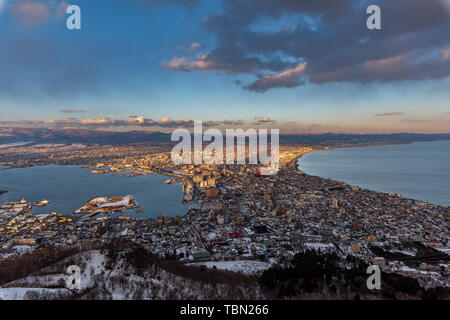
{"x": 362, "y": 145}
{"x": 298, "y": 159}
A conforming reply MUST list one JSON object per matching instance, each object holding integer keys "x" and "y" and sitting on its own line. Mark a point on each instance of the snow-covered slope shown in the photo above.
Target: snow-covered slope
{"x": 100, "y": 280}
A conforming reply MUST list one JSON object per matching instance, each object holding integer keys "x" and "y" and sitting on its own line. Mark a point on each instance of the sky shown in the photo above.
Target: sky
{"x": 300, "y": 66}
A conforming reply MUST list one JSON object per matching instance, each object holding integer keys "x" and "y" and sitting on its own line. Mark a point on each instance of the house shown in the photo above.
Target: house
{"x": 201, "y": 255}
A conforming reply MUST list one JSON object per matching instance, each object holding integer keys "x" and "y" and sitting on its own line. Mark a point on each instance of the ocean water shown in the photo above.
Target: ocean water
{"x": 420, "y": 170}
{"x": 70, "y": 187}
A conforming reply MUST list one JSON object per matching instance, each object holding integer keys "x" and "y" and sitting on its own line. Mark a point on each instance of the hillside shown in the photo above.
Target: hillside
{"x": 71, "y": 135}
{"x": 121, "y": 271}
{"x": 130, "y": 274}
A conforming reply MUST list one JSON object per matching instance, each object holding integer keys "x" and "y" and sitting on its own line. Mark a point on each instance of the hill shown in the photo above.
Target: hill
{"x": 122, "y": 270}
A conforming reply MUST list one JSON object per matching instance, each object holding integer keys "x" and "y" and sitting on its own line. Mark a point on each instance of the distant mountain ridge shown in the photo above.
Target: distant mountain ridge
{"x": 364, "y": 138}
{"x": 88, "y": 136}
{"x": 72, "y": 135}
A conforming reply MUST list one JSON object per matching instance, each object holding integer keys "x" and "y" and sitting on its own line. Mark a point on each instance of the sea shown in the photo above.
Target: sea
{"x": 419, "y": 170}
{"x": 69, "y": 187}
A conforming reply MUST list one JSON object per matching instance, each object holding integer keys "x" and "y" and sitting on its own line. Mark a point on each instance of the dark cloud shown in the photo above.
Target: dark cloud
{"x": 287, "y": 79}
{"x": 237, "y": 82}
{"x": 331, "y": 39}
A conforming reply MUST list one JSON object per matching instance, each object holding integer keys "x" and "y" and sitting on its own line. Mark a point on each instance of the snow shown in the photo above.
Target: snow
{"x": 406, "y": 252}
{"x": 124, "y": 202}
{"x": 319, "y": 246}
{"x": 121, "y": 283}
{"x": 103, "y": 202}
{"x": 45, "y": 281}
{"x": 20, "y": 293}
{"x": 23, "y": 248}
{"x": 212, "y": 236}
{"x": 15, "y": 144}
{"x": 444, "y": 250}
{"x": 47, "y": 145}
{"x": 407, "y": 269}
{"x": 95, "y": 263}
{"x": 244, "y": 266}
{"x": 248, "y": 231}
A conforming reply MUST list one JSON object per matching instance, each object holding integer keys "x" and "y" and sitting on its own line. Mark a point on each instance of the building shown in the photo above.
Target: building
{"x": 334, "y": 203}
{"x": 379, "y": 261}
{"x": 355, "y": 247}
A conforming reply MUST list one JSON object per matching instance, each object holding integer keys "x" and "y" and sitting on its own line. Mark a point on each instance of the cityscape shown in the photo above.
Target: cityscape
{"x": 227, "y": 157}
{"x": 235, "y": 214}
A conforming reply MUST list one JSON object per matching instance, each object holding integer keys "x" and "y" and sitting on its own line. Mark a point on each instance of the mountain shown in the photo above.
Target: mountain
{"x": 87, "y": 136}
{"x": 126, "y": 271}
{"x": 72, "y": 135}
{"x": 364, "y": 138}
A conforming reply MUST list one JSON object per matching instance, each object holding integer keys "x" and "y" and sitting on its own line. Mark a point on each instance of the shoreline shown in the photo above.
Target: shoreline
{"x": 296, "y": 160}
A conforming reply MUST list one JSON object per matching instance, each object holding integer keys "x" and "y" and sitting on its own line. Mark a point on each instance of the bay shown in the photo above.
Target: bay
{"x": 70, "y": 187}
{"x": 419, "y": 170}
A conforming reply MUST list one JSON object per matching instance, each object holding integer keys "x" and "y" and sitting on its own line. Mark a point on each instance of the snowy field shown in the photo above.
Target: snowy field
{"x": 244, "y": 266}
{"x": 319, "y": 246}
{"x": 121, "y": 282}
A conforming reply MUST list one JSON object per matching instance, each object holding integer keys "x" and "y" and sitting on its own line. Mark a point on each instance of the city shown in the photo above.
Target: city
{"x": 238, "y": 214}
{"x": 225, "y": 158}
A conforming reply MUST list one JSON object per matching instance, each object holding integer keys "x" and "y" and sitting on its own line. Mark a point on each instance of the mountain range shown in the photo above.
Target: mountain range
{"x": 88, "y": 136}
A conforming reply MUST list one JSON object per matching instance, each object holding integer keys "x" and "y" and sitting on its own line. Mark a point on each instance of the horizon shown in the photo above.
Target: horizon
{"x": 168, "y": 132}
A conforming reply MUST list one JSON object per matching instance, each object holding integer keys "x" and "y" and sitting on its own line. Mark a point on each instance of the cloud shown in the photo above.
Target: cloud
{"x": 224, "y": 122}
{"x": 105, "y": 122}
{"x": 72, "y": 111}
{"x": 445, "y": 54}
{"x": 61, "y": 9}
{"x": 386, "y": 114}
{"x": 263, "y": 120}
{"x": 185, "y": 64}
{"x": 35, "y": 12}
{"x": 415, "y": 65}
{"x": 194, "y": 46}
{"x": 234, "y": 64}
{"x": 417, "y": 121}
{"x": 287, "y": 79}
{"x": 177, "y": 64}
{"x": 191, "y": 47}
{"x": 203, "y": 63}
{"x": 446, "y": 4}
{"x": 331, "y": 38}
{"x": 31, "y": 12}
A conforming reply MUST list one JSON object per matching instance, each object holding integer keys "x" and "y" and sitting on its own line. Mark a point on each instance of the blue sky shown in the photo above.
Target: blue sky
{"x": 301, "y": 67}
